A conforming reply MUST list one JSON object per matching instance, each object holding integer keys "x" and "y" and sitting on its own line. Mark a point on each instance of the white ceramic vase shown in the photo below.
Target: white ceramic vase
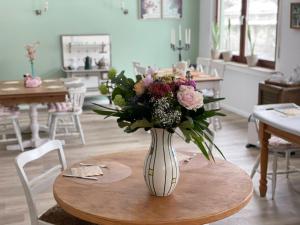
{"x": 161, "y": 169}
{"x": 227, "y": 56}
{"x": 252, "y": 60}
{"x": 215, "y": 54}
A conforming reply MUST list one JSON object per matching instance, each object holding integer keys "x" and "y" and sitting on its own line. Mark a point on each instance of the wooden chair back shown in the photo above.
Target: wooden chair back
{"x": 43, "y": 181}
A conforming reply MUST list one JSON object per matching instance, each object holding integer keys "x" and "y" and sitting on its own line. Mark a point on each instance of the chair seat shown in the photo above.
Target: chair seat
{"x": 58, "y": 216}
{"x": 279, "y": 143}
{"x": 11, "y": 111}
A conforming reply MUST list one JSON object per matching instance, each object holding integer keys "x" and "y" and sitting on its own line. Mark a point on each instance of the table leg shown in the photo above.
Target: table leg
{"x": 264, "y": 153}
{"x": 35, "y": 138}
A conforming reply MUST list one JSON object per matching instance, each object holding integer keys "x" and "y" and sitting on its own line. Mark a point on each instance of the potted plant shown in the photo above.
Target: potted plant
{"x": 253, "y": 58}
{"x": 160, "y": 103}
{"x": 227, "y": 55}
{"x": 215, "y": 53}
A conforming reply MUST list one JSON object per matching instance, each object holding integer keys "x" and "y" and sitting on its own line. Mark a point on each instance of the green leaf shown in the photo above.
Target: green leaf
{"x": 141, "y": 124}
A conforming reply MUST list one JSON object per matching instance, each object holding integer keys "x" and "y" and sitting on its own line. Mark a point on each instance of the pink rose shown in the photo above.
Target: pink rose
{"x": 189, "y": 98}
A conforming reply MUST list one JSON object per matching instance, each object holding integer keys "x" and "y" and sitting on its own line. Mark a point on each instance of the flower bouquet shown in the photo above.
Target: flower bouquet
{"x": 30, "y": 81}
{"x": 162, "y": 104}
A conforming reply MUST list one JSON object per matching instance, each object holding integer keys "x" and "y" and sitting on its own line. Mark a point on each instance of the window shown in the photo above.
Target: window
{"x": 260, "y": 17}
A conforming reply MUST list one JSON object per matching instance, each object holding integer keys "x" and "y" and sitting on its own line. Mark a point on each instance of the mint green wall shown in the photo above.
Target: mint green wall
{"x": 146, "y": 41}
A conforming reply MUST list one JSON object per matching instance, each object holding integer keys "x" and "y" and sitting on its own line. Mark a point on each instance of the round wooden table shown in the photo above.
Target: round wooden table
{"x": 206, "y": 192}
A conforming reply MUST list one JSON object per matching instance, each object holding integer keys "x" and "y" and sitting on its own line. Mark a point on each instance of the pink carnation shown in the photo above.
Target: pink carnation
{"x": 189, "y": 98}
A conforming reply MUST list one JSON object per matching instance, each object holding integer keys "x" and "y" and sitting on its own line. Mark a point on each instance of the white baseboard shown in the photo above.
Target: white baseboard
{"x": 236, "y": 110}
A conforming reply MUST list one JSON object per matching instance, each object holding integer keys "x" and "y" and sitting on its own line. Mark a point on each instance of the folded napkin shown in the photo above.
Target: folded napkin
{"x": 87, "y": 171}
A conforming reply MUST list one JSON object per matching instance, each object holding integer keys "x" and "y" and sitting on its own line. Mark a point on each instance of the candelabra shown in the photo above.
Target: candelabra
{"x": 180, "y": 48}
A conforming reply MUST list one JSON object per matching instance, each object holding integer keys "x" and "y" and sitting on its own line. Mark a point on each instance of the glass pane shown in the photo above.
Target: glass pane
{"x": 262, "y": 20}
{"x": 230, "y": 25}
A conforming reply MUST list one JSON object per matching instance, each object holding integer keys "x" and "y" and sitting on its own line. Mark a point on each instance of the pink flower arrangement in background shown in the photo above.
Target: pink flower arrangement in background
{"x": 31, "y": 54}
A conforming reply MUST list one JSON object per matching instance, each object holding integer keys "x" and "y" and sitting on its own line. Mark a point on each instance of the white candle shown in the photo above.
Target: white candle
{"x": 186, "y": 36}
{"x": 189, "y": 35}
{"x": 171, "y": 36}
{"x": 174, "y": 37}
{"x": 179, "y": 32}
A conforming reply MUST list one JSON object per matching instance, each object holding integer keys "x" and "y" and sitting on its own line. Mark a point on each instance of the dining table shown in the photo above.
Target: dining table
{"x": 14, "y": 92}
{"x": 203, "y": 80}
{"x": 274, "y": 119}
{"x": 207, "y": 192}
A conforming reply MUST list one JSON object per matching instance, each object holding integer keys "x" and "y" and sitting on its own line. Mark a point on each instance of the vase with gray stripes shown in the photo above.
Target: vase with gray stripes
{"x": 161, "y": 169}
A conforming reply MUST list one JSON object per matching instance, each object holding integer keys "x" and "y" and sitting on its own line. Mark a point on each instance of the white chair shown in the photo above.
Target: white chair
{"x": 277, "y": 146}
{"x": 41, "y": 183}
{"x": 217, "y": 68}
{"x": 9, "y": 116}
{"x": 135, "y": 64}
{"x": 182, "y": 67}
{"x": 140, "y": 70}
{"x": 203, "y": 65}
{"x": 76, "y": 94}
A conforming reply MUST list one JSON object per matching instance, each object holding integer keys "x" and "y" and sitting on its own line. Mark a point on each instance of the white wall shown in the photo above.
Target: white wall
{"x": 206, "y": 17}
{"x": 240, "y": 86}
{"x": 289, "y": 41}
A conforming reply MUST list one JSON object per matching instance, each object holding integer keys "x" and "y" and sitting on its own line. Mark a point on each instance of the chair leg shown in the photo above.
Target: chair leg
{"x": 18, "y": 133}
{"x": 254, "y": 169}
{"x": 79, "y": 128}
{"x": 287, "y": 159}
{"x": 49, "y": 120}
{"x": 53, "y": 128}
{"x": 274, "y": 175}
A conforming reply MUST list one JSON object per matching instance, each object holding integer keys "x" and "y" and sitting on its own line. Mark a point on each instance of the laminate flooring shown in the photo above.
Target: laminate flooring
{"x": 104, "y": 136}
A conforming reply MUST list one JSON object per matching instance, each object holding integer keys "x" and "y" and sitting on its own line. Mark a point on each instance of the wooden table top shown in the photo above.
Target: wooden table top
{"x": 196, "y": 75}
{"x": 14, "y": 92}
{"x": 206, "y": 192}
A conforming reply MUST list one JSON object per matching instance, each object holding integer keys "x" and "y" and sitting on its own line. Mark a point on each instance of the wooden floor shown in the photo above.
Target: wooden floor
{"x": 103, "y": 136}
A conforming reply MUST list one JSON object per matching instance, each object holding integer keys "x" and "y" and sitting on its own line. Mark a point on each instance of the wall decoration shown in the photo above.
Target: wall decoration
{"x": 150, "y": 9}
{"x": 172, "y": 9}
{"x": 295, "y": 15}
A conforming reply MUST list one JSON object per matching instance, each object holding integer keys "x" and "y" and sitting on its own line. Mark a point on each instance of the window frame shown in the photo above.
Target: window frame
{"x": 241, "y": 58}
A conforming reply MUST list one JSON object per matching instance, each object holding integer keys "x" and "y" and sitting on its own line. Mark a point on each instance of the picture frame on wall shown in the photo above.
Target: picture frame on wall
{"x": 295, "y": 15}
{"x": 172, "y": 9}
{"x": 150, "y": 9}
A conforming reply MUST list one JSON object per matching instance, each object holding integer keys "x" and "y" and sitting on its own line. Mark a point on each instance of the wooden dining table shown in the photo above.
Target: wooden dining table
{"x": 206, "y": 192}
{"x": 203, "y": 80}
{"x": 14, "y": 92}
{"x": 273, "y": 122}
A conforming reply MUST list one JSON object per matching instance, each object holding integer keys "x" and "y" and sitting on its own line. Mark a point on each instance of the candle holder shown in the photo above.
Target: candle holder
{"x": 180, "y": 48}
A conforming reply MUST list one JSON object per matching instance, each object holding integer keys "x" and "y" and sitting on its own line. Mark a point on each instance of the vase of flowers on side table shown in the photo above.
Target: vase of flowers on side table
{"x": 162, "y": 103}
{"x": 30, "y": 80}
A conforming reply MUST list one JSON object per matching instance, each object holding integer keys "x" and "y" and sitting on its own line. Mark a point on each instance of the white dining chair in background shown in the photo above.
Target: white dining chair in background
{"x": 57, "y": 119}
{"x": 277, "y": 146}
{"x": 9, "y": 116}
{"x": 135, "y": 64}
{"x": 41, "y": 183}
{"x": 203, "y": 65}
{"x": 182, "y": 67}
{"x": 141, "y": 70}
